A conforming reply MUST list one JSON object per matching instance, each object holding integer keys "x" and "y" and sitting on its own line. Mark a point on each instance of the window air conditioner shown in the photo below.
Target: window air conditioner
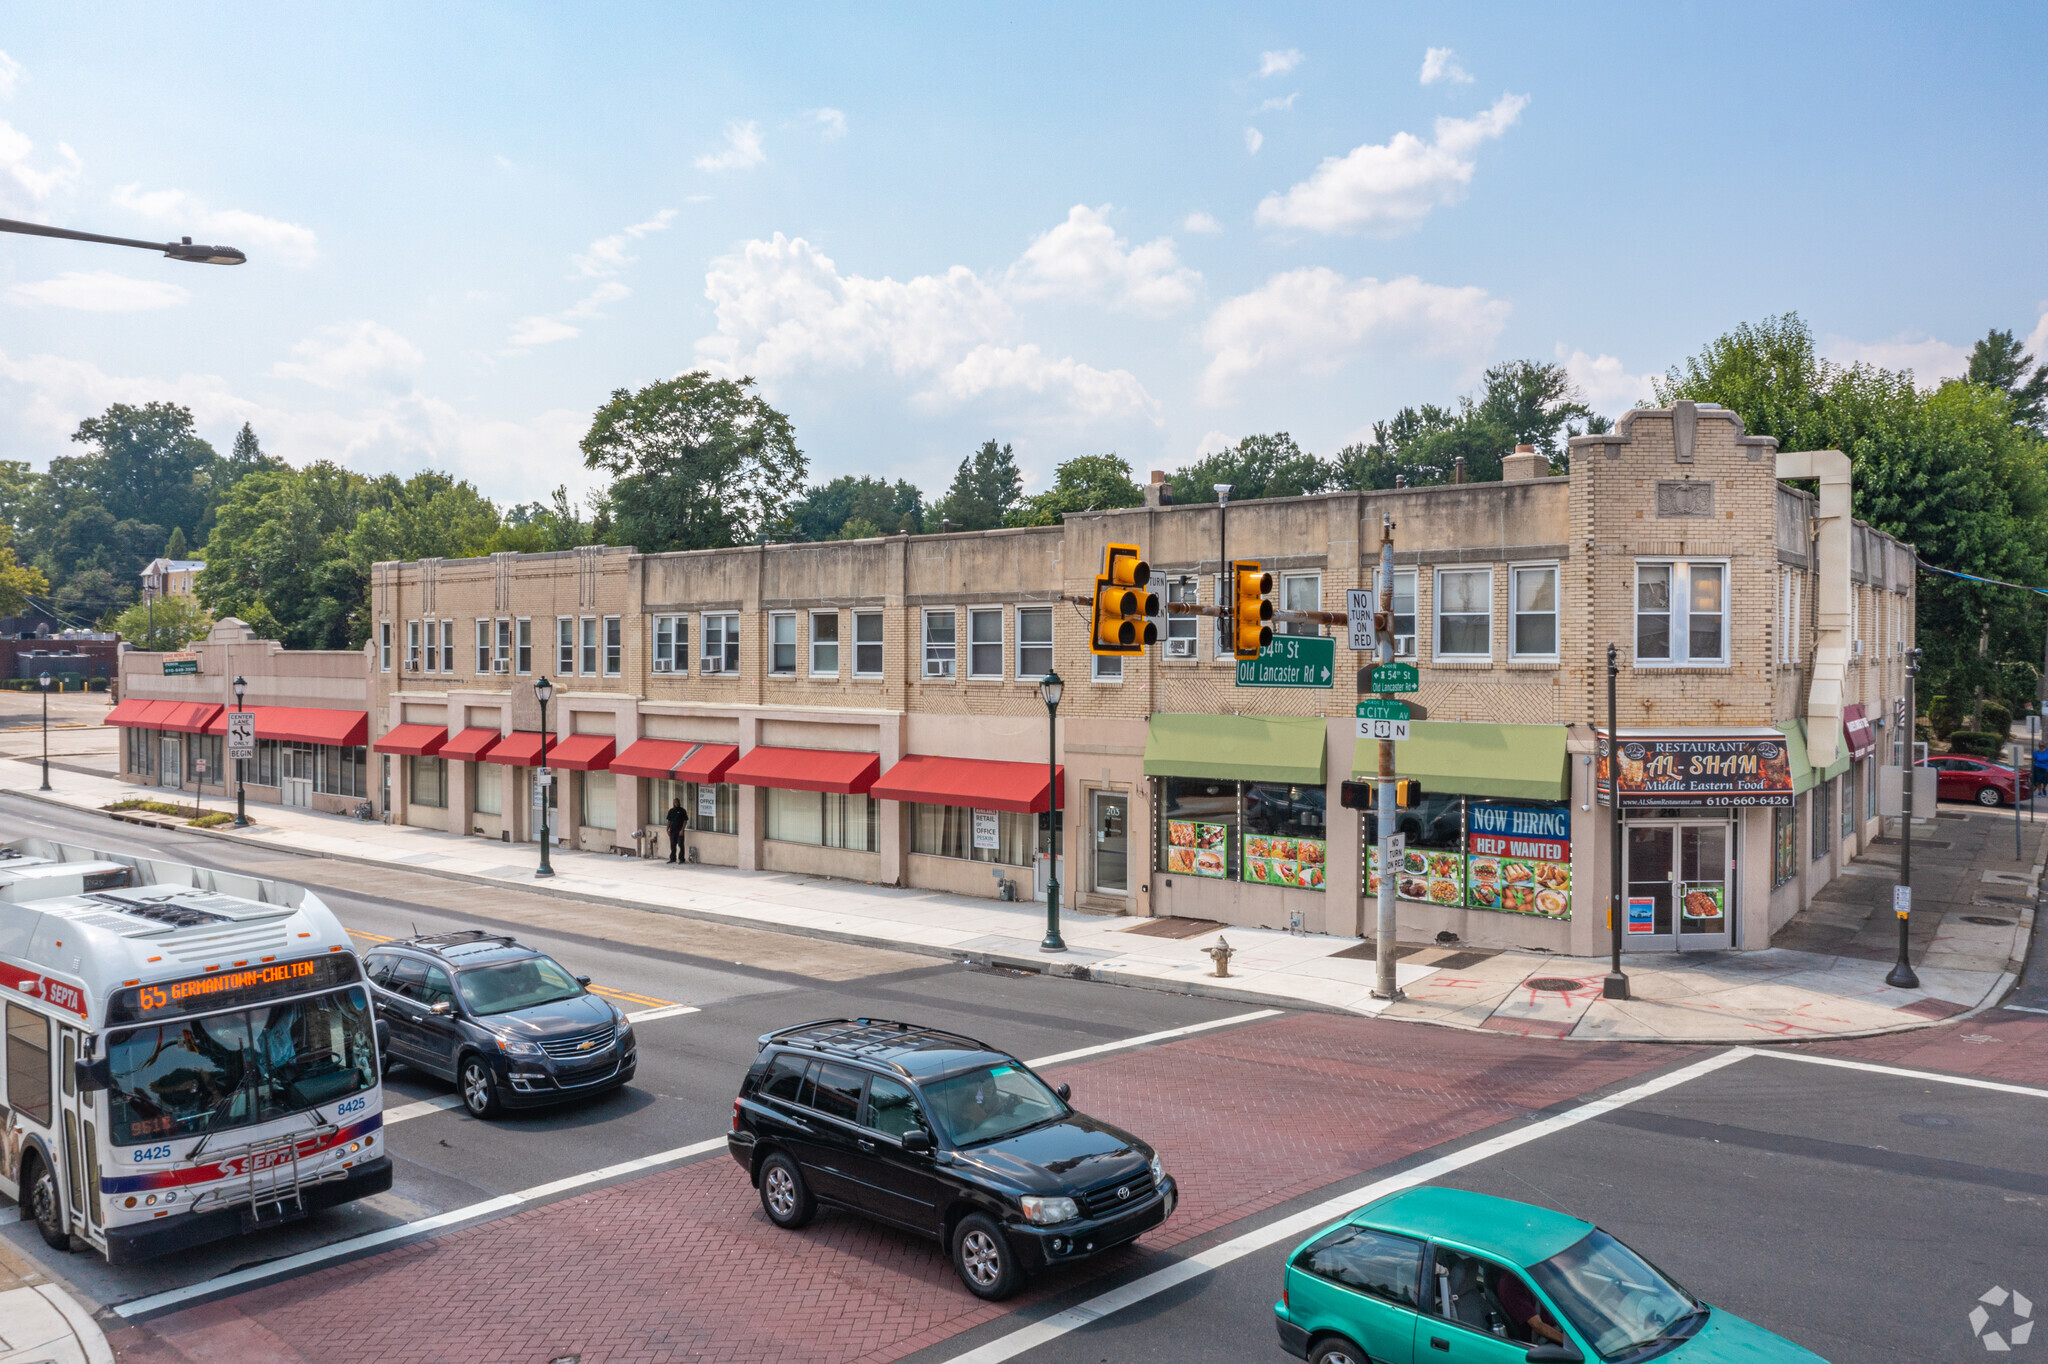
{"x": 714, "y": 665}
{"x": 1404, "y": 646}
{"x": 662, "y": 665}
{"x": 501, "y": 665}
{"x": 1180, "y": 648}
{"x": 1859, "y": 647}
{"x": 412, "y": 665}
{"x": 938, "y": 667}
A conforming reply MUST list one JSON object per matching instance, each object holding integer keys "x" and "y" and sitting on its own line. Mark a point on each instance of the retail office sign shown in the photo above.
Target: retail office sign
{"x": 1707, "y": 773}
{"x": 181, "y": 665}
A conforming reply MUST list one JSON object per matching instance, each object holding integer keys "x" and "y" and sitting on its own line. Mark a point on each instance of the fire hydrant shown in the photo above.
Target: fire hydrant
{"x": 1222, "y": 952}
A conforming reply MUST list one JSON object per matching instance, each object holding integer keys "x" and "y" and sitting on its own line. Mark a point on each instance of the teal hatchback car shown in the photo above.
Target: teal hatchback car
{"x": 1443, "y": 1276}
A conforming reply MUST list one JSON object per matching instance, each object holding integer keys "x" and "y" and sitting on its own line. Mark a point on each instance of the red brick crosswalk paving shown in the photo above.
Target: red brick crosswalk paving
{"x": 682, "y": 1265}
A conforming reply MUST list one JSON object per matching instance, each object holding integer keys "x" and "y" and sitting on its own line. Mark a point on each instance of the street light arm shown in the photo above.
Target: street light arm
{"x": 179, "y": 250}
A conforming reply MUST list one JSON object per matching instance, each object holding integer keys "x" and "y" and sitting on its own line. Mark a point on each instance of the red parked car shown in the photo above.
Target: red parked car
{"x": 1987, "y": 783}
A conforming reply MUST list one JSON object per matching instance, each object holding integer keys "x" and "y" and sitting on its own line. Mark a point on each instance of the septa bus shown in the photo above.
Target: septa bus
{"x": 190, "y": 1054}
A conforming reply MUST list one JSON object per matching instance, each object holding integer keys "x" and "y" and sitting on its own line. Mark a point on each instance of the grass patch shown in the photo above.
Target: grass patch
{"x": 213, "y": 820}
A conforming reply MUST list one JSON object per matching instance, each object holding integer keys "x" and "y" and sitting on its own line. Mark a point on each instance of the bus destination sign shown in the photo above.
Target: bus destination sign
{"x": 228, "y": 989}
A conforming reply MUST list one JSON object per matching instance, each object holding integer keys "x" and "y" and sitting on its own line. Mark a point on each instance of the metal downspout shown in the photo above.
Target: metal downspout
{"x": 1831, "y": 596}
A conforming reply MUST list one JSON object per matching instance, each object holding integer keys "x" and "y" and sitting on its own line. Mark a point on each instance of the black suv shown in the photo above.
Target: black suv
{"x": 944, "y": 1136}
{"x": 507, "y": 1024}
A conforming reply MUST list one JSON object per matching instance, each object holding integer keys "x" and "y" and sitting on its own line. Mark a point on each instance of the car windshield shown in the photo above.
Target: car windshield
{"x": 515, "y": 985}
{"x": 991, "y": 1103}
{"x": 1613, "y": 1295}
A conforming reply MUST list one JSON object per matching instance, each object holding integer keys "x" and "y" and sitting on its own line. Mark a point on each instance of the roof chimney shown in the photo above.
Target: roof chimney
{"x": 1525, "y": 463}
{"x": 1159, "y": 492}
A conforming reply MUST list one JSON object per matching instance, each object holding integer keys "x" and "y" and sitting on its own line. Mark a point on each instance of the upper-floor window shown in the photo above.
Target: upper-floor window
{"x": 447, "y": 646}
{"x": 721, "y": 642}
{"x": 1404, "y": 610}
{"x": 384, "y": 646}
{"x": 412, "y": 646}
{"x": 1788, "y": 615}
{"x": 1300, "y": 592}
{"x": 1182, "y": 631}
{"x": 588, "y": 628}
{"x": 614, "y": 645}
{"x": 1464, "y": 613}
{"x": 939, "y": 630}
{"x": 1681, "y": 610}
{"x": 565, "y": 646}
{"x": 432, "y": 663}
{"x": 867, "y": 644}
{"x": 1034, "y": 642}
{"x": 672, "y": 644}
{"x": 782, "y": 644}
{"x": 483, "y": 646}
{"x": 501, "y": 645}
{"x": 985, "y": 642}
{"x": 1106, "y": 668}
{"x": 824, "y": 644}
{"x": 525, "y": 651}
{"x": 1533, "y": 606}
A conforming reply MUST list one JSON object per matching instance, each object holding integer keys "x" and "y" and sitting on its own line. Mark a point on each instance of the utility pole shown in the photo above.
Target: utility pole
{"x": 1902, "y": 975}
{"x": 1390, "y": 870}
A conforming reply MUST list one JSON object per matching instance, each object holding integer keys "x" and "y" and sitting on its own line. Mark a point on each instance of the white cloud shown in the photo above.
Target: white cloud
{"x": 10, "y": 75}
{"x": 1083, "y": 258}
{"x": 607, "y": 291}
{"x": 1286, "y": 102}
{"x": 1441, "y": 64}
{"x": 540, "y": 331}
{"x": 353, "y": 355}
{"x": 601, "y": 261}
{"x": 1086, "y": 393}
{"x": 1930, "y": 360}
{"x": 2037, "y": 340}
{"x": 504, "y": 162}
{"x": 37, "y": 182}
{"x": 1315, "y": 320}
{"x": 742, "y": 149}
{"x": 1279, "y": 63}
{"x": 1253, "y": 140}
{"x": 1609, "y": 388}
{"x": 186, "y": 216}
{"x": 831, "y": 123}
{"x": 99, "y": 291}
{"x": 1213, "y": 443}
{"x": 1199, "y": 221}
{"x": 1393, "y": 186}
{"x": 607, "y": 255}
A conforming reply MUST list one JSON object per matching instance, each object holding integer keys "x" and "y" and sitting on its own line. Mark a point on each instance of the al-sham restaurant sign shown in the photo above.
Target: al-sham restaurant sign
{"x": 1701, "y": 772}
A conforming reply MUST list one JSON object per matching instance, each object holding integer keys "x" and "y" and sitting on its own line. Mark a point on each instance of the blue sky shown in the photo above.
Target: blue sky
{"x": 1074, "y": 228}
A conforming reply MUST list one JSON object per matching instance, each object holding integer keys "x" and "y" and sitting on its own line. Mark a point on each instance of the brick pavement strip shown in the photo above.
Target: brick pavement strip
{"x": 682, "y": 1265}
{"x": 1998, "y": 1044}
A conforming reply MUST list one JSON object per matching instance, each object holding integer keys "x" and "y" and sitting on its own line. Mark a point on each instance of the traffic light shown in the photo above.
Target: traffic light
{"x": 1123, "y": 607}
{"x": 1407, "y": 793}
{"x": 1250, "y": 609}
{"x": 1360, "y": 794}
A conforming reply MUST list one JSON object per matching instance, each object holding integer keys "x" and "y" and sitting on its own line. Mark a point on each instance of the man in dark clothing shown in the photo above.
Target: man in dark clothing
{"x": 677, "y": 822}
{"x": 1530, "y": 1321}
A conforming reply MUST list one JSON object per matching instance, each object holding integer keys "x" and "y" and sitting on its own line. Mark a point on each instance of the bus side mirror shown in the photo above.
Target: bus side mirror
{"x": 93, "y": 1075}
{"x": 383, "y": 1036}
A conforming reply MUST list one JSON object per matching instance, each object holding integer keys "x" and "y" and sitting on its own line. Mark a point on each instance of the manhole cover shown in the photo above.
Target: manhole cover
{"x": 1927, "y": 1120}
{"x": 1987, "y": 921}
{"x": 1558, "y": 984}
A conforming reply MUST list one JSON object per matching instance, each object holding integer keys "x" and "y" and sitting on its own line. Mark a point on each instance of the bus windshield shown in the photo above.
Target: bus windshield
{"x": 190, "y": 1076}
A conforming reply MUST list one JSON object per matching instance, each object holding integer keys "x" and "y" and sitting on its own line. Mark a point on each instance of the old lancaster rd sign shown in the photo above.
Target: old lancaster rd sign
{"x": 1705, "y": 771}
{"x": 1291, "y": 661}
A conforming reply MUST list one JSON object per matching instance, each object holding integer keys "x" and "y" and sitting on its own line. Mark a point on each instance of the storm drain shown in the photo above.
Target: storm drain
{"x": 1555, "y": 984}
{"x": 1987, "y": 921}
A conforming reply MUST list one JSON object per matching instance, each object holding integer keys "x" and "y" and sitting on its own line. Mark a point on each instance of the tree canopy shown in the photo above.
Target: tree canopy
{"x": 852, "y": 508}
{"x": 1083, "y": 483}
{"x": 1257, "y": 466}
{"x": 1998, "y": 362}
{"x": 985, "y": 489}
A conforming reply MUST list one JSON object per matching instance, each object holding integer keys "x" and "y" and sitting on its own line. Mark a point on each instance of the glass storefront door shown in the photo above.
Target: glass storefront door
{"x": 1112, "y": 843}
{"x": 1679, "y": 877}
{"x": 170, "y": 762}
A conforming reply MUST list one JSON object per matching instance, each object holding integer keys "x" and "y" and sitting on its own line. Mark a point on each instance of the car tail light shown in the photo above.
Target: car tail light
{"x": 735, "y": 1115}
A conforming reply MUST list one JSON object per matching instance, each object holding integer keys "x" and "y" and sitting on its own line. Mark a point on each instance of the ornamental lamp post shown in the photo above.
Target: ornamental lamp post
{"x": 544, "y": 692}
{"x": 1050, "y": 686}
{"x": 45, "y": 680}
{"x": 241, "y": 685}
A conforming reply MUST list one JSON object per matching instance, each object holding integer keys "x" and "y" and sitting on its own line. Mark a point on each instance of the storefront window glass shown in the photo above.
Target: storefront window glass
{"x": 1784, "y": 845}
{"x": 429, "y": 781}
{"x": 1285, "y": 829}
{"x": 600, "y": 800}
{"x": 1482, "y": 853}
{"x": 1000, "y": 836}
{"x": 489, "y": 779}
{"x": 1823, "y": 818}
{"x": 1849, "y": 801}
{"x": 1199, "y": 837}
{"x": 712, "y": 809}
{"x": 822, "y": 819}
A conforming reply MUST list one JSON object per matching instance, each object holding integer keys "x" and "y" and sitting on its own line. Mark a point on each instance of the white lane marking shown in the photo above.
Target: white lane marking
{"x": 669, "y": 1011}
{"x": 2023, "y": 1009}
{"x": 407, "y": 1112}
{"x": 157, "y": 1302}
{"x": 1968, "y": 1081}
{"x": 1140, "y": 1041}
{"x": 1299, "y": 1224}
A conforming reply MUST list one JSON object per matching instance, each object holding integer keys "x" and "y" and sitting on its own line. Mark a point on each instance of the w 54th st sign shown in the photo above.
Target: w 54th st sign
{"x": 1291, "y": 661}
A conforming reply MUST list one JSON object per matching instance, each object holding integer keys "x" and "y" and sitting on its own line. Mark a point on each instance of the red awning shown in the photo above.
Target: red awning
{"x": 1856, "y": 724}
{"x": 583, "y": 753}
{"x": 413, "y": 741}
{"x": 656, "y": 758}
{"x": 978, "y": 782}
{"x": 709, "y": 763}
{"x": 304, "y": 725}
{"x": 135, "y": 713}
{"x": 186, "y": 717}
{"x": 520, "y": 748}
{"x": 806, "y": 769}
{"x": 471, "y": 744}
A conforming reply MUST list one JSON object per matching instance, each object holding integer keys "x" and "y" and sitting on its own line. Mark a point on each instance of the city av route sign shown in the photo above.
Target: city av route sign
{"x": 1396, "y": 677}
{"x": 1382, "y": 710}
{"x": 1291, "y": 661}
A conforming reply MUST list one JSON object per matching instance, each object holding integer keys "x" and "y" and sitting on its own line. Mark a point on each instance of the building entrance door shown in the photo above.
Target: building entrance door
{"x": 1679, "y": 879}
{"x": 1112, "y": 827}
{"x": 170, "y": 771}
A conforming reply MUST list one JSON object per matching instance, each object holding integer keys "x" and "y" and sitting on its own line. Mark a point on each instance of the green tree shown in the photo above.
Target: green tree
{"x": 18, "y": 581}
{"x": 428, "y": 516}
{"x": 1257, "y": 466}
{"x": 1998, "y": 361}
{"x": 875, "y": 506}
{"x": 89, "y": 596}
{"x": 280, "y": 557}
{"x": 1084, "y": 483}
{"x": 695, "y": 463}
{"x": 17, "y": 486}
{"x": 167, "y": 623}
{"x": 986, "y": 488}
{"x": 246, "y": 458}
{"x": 541, "y": 527}
{"x": 175, "y": 547}
{"x": 147, "y": 464}
{"x": 1521, "y": 402}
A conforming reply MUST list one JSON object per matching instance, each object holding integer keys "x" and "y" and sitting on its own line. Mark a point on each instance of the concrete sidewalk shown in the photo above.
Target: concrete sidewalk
{"x": 42, "y": 1324}
{"x": 1821, "y": 984}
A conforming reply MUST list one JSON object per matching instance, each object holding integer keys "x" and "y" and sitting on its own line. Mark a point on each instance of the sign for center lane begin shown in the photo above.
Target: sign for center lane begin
{"x": 1291, "y": 661}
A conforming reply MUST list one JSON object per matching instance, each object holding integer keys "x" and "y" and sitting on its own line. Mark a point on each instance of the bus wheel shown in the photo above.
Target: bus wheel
{"x": 47, "y": 1208}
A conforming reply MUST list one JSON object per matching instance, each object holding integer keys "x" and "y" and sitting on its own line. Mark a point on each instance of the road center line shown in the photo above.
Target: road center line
{"x": 1969, "y": 1081}
{"x": 157, "y": 1302}
{"x": 1149, "y": 1037}
{"x": 1301, "y": 1223}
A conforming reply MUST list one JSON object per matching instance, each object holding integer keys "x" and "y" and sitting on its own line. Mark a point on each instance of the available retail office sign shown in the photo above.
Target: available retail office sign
{"x": 1291, "y": 661}
{"x": 181, "y": 665}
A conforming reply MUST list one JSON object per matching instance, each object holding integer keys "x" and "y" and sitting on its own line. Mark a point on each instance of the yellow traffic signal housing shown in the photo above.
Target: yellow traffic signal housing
{"x": 1123, "y": 607}
{"x": 1250, "y": 608}
{"x": 1407, "y": 794}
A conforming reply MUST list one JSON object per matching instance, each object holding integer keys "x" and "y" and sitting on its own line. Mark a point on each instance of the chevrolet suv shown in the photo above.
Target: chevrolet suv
{"x": 507, "y": 1024}
{"x": 943, "y": 1136}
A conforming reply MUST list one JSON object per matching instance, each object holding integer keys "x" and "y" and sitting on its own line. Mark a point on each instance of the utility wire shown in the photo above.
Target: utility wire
{"x": 1972, "y": 577}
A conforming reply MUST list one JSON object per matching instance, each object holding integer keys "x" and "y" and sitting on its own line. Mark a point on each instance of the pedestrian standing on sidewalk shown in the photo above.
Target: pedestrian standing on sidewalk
{"x": 677, "y": 821}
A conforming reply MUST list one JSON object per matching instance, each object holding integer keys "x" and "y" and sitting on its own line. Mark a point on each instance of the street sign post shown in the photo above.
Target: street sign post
{"x": 1395, "y": 677}
{"x": 1291, "y": 661}
{"x": 242, "y": 734}
{"x": 1358, "y": 605}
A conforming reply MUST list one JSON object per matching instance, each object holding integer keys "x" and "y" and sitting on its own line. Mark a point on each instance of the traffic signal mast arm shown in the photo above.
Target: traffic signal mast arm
{"x": 1181, "y": 608}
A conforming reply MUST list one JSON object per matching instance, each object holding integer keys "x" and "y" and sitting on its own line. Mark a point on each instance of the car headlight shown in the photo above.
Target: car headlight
{"x": 1046, "y": 1211}
{"x": 1158, "y": 1169}
{"x": 512, "y": 1046}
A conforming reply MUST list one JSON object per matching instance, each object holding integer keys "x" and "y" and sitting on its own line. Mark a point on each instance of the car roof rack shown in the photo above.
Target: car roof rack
{"x": 870, "y": 1036}
{"x": 466, "y": 937}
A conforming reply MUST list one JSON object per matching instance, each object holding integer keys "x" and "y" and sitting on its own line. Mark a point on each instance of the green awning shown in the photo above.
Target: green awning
{"x": 1520, "y": 762}
{"x": 1795, "y": 754}
{"x": 1237, "y": 748}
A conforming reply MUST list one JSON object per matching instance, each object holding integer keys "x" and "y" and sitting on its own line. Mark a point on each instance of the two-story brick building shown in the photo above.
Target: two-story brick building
{"x": 871, "y": 709}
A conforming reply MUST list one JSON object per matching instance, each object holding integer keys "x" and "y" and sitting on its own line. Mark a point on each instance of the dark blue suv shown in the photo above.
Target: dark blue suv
{"x": 943, "y": 1136}
{"x": 507, "y": 1024}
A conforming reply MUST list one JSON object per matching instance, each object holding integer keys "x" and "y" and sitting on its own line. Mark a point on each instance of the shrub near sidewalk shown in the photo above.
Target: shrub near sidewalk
{"x": 213, "y": 820}
{"x": 1977, "y": 743}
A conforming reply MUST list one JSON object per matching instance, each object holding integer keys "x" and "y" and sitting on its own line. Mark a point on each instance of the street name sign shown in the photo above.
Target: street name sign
{"x": 242, "y": 734}
{"x": 1382, "y": 710}
{"x": 1396, "y": 677}
{"x": 1291, "y": 661}
{"x": 1358, "y": 605}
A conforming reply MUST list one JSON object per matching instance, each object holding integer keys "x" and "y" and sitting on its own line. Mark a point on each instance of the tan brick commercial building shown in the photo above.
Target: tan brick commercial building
{"x": 870, "y": 709}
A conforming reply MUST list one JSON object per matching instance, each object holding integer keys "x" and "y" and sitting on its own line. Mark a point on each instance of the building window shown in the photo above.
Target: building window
{"x": 1183, "y": 632}
{"x": 207, "y": 758}
{"x": 1784, "y": 845}
{"x": 588, "y": 627}
{"x": 1106, "y": 668}
{"x": 709, "y": 809}
{"x": 672, "y": 644}
{"x": 1299, "y": 592}
{"x": 483, "y": 646}
{"x": 867, "y": 644}
{"x": 1034, "y": 642}
{"x": 431, "y": 660}
{"x": 1464, "y": 613}
{"x": 1679, "y": 613}
{"x": 822, "y": 819}
{"x": 1870, "y": 792}
{"x": 614, "y": 646}
{"x": 429, "y": 781}
{"x": 447, "y": 646}
{"x": 1404, "y": 610}
{"x": 957, "y": 831}
{"x": 722, "y": 643}
{"x": 600, "y": 800}
{"x": 1534, "y": 609}
{"x": 985, "y": 642}
{"x": 412, "y": 646}
{"x": 565, "y": 646}
{"x": 501, "y": 650}
{"x": 1849, "y": 801}
{"x": 384, "y": 646}
{"x": 525, "y": 663}
{"x": 488, "y": 779}
{"x": 782, "y": 644}
{"x": 1823, "y": 818}
{"x": 824, "y": 644}
{"x": 939, "y": 630}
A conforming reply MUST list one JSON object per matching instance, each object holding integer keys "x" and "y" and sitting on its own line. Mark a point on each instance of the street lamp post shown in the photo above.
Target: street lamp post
{"x": 1902, "y": 975}
{"x": 46, "y": 730}
{"x": 1615, "y": 986}
{"x": 241, "y": 801}
{"x": 1050, "y": 688}
{"x": 182, "y": 249}
{"x": 544, "y": 692}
